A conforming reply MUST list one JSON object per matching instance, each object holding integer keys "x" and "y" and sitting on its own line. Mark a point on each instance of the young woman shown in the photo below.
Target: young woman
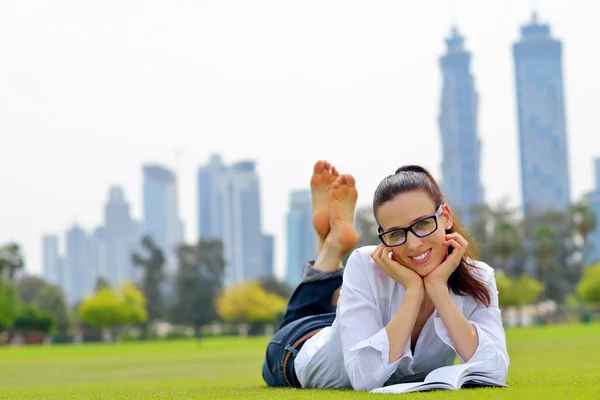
{"x": 406, "y": 307}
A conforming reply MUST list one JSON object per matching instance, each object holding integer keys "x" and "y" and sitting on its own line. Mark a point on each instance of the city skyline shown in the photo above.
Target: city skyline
{"x": 461, "y": 145}
{"x": 543, "y": 142}
{"x": 229, "y": 209}
{"x": 301, "y": 237}
{"x": 378, "y": 83}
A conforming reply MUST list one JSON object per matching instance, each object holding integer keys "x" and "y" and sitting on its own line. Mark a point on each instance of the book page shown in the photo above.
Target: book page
{"x": 451, "y": 374}
{"x": 411, "y": 387}
{"x": 477, "y": 379}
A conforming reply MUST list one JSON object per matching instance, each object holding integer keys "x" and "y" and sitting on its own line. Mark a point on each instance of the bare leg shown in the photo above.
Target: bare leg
{"x": 324, "y": 174}
{"x": 342, "y": 237}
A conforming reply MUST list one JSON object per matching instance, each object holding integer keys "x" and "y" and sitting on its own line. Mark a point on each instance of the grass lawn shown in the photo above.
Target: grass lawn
{"x": 553, "y": 362}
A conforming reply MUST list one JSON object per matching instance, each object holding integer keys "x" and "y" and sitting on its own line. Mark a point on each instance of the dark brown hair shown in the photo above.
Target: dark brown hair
{"x": 408, "y": 178}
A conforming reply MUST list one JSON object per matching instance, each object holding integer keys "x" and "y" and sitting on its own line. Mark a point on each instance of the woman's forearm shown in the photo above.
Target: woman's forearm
{"x": 402, "y": 323}
{"x": 461, "y": 332}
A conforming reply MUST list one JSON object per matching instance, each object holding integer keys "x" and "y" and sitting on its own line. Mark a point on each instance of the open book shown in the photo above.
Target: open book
{"x": 452, "y": 377}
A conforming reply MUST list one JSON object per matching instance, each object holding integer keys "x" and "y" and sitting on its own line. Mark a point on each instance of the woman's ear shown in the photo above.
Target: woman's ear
{"x": 447, "y": 214}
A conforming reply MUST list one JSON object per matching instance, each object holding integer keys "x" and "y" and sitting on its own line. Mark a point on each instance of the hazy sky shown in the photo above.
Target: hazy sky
{"x": 90, "y": 91}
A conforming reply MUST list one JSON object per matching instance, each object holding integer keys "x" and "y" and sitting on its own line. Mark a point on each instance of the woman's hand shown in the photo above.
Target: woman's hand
{"x": 401, "y": 274}
{"x": 439, "y": 276}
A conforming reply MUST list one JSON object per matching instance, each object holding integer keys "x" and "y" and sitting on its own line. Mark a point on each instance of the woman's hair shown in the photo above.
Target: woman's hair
{"x": 408, "y": 178}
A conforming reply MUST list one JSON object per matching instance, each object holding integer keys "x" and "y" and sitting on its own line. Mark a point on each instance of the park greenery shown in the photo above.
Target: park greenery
{"x": 545, "y": 257}
{"x": 547, "y": 362}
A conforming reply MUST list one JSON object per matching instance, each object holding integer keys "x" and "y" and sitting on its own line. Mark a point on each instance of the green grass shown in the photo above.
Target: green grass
{"x": 553, "y": 362}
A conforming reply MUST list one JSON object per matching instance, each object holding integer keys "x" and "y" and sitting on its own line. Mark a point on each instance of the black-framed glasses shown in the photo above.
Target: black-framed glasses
{"x": 422, "y": 228}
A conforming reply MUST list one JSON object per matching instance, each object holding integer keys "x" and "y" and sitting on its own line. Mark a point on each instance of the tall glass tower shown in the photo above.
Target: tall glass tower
{"x": 301, "y": 237}
{"x": 161, "y": 215}
{"x": 541, "y": 114}
{"x": 461, "y": 182}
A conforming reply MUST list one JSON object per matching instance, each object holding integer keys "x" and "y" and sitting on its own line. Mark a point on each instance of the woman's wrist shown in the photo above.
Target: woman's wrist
{"x": 437, "y": 291}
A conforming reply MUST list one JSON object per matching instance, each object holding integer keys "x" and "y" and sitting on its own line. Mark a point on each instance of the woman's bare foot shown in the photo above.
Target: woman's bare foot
{"x": 342, "y": 237}
{"x": 342, "y": 203}
{"x": 324, "y": 174}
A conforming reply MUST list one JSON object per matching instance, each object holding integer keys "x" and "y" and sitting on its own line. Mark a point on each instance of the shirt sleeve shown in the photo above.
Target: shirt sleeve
{"x": 490, "y": 332}
{"x": 365, "y": 342}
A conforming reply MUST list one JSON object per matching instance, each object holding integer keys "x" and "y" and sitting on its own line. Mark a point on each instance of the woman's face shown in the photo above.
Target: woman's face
{"x": 422, "y": 255}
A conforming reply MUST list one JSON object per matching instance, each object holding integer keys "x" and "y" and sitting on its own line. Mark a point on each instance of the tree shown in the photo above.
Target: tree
{"x": 273, "y": 285}
{"x": 589, "y": 286}
{"x": 481, "y": 229}
{"x": 527, "y": 289}
{"x": 366, "y": 227}
{"x": 52, "y": 299}
{"x": 8, "y": 303}
{"x": 584, "y": 221}
{"x": 101, "y": 283}
{"x": 153, "y": 276}
{"x": 11, "y": 260}
{"x": 109, "y": 308}
{"x": 506, "y": 243}
{"x": 29, "y": 287}
{"x": 101, "y": 309}
{"x": 249, "y": 302}
{"x": 545, "y": 245}
{"x": 30, "y": 319}
{"x": 134, "y": 305}
{"x": 506, "y": 295}
{"x": 198, "y": 281}
{"x": 515, "y": 292}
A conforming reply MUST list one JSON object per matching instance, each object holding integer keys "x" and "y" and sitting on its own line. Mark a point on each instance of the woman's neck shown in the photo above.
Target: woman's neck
{"x": 426, "y": 308}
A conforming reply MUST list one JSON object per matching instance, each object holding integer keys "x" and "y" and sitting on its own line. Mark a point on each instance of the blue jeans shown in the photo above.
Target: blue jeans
{"x": 308, "y": 311}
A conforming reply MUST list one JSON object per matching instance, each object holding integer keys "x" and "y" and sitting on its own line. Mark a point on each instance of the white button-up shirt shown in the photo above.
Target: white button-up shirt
{"x": 354, "y": 351}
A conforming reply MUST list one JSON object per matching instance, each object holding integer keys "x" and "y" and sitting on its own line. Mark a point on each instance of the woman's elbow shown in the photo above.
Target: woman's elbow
{"x": 361, "y": 380}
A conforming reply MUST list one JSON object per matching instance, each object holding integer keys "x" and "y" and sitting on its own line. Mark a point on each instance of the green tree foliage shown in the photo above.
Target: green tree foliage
{"x": 152, "y": 264}
{"x": 589, "y": 286}
{"x": 517, "y": 291}
{"x": 249, "y": 302}
{"x": 506, "y": 243}
{"x": 274, "y": 285}
{"x": 366, "y": 228}
{"x": 133, "y": 305}
{"x": 11, "y": 260}
{"x": 52, "y": 299}
{"x": 29, "y": 287}
{"x": 30, "y": 319}
{"x": 111, "y": 308}
{"x": 583, "y": 220}
{"x": 101, "y": 283}
{"x": 9, "y": 303}
{"x": 199, "y": 279}
{"x": 545, "y": 249}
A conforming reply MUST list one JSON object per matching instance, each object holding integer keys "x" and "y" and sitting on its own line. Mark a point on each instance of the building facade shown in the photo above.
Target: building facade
{"x": 301, "y": 237}
{"x": 229, "y": 210}
{"x": 161, "y": 212}
{"x": 461, "y": 146}
{"x": 545, "y": 182}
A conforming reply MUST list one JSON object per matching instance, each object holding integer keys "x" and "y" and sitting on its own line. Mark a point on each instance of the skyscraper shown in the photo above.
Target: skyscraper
{"x": 121, "y": 237}
{"x": 229, "y": 210}
{"x": 461, "y": 153}
{"x": 301, "y": 237}
{"x": 594, "y": 204}
{"x": 80, "y": 276}
{"x": 161, "y": 215}
{"x": 268, "y": 261}
{"x": 210, "y": 199}
{"x": 52, "y": 261}
{"x": 541, "y": 114}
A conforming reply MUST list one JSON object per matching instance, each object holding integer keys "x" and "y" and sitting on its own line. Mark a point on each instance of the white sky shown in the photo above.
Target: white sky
{"x": 89, "y": 91}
